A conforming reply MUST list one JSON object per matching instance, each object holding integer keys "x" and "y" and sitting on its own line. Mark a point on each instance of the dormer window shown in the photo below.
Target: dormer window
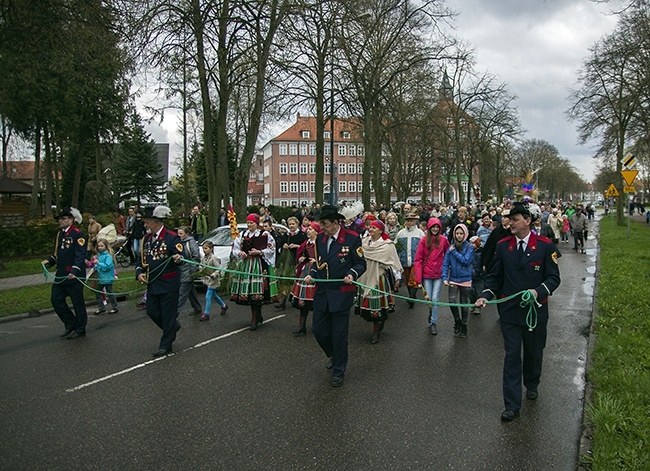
{"x": 346, "y": 134}
{"x": 304, "y": 134}
{"x": 326, "y": 135}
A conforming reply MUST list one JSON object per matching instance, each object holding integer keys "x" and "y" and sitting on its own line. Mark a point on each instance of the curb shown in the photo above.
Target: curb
{"x": 585, "y": 444}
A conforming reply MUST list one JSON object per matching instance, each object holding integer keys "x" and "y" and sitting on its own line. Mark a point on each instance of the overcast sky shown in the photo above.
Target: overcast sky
{"x": 535, "y": 46}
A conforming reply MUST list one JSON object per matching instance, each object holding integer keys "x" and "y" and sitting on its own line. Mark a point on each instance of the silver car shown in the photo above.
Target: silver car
{"x": 222, "y": 241}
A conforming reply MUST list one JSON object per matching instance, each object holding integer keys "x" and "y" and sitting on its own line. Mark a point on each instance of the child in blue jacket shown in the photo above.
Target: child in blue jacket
{"x": 457, "y": 275}
{"x": 105, "y": 269}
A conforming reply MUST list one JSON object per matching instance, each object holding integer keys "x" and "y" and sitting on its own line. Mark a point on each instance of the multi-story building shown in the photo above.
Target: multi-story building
{"x": 287, "y": 167}
{"x": 289, "y": 163}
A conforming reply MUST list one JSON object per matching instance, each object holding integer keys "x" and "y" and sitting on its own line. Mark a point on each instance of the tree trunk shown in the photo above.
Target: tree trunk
{"x": 33, "y": 207}
{"x": 48, "y": 173}
{"x": 214, "y": 190}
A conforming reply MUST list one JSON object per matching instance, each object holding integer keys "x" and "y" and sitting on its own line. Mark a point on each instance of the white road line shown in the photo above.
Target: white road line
{"x": 146, "y": 363}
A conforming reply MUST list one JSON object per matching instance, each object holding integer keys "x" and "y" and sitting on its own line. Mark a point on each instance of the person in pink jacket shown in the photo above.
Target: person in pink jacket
{"x": 428, "y": 266}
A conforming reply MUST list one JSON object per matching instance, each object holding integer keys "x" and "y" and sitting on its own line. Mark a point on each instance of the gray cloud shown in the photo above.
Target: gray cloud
{"x": 537, "y": 47}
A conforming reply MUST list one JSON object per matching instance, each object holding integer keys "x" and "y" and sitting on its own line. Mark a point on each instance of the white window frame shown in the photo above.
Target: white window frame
{"x": 352, "y": 169}
{"x": 342, "y": 169}
{"x": 327, "y": 168}
{"x": 303, "y": 186}
{"x": 352, "y": 186}
{"x": 326, "y": 134}
{"x": 342, "y": 150}
{"x": 346, "y": 134}
{"x": 303, "y": 168}
{"x": 360, "y": 168}
{"x": 361, "y": 150}
{"x": 293, "y": 149}
{"x": 327, "y": 149}
{"x": 303, "y": 149}
{"x": 312, "y": 168}
{"x": 284, "y": 187}
{"x": 282, "y": 149}
{"x": 283, "y": 168}
{"x": 352, "y": 150}
{"x": 305, "y": 134}
{"x": 312, "y": 186}
{"x": 343, "y": 186}
{"x": 293, "y": 186}
{"x": 284, "y": 203}
{"x": 312, "y": 149}
{"x": 293, "y": 168}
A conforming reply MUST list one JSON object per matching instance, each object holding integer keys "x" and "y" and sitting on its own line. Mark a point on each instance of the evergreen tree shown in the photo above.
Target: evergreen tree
{"x": 137, "y": 169}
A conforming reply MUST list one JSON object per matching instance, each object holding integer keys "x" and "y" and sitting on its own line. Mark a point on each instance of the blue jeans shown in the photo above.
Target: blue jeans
{"x": 432, "y": 287}
{"x": 211, "y": 294}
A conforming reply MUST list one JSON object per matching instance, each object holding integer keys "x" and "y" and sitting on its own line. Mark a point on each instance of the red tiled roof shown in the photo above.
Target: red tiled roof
{"x": 308, "y": 123}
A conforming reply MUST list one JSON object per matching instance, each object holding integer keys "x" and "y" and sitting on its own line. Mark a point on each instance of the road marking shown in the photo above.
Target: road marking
{"x": 147, "y": 363}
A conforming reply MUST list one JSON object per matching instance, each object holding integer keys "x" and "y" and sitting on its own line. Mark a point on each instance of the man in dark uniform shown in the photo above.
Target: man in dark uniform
{"x": 338, "y": 256}
{"x": 158, "y": 268}
{"x": 523, "y": 261}
{"x": 69, "y": 259}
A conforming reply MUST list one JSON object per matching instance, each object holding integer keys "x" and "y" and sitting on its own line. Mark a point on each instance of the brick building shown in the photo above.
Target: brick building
{"x": 288, "y": 163}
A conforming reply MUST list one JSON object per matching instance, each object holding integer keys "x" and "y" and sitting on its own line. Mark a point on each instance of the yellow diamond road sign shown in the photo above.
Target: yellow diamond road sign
{"x": 629, "y": 175}
{"x": 611, "y": 191}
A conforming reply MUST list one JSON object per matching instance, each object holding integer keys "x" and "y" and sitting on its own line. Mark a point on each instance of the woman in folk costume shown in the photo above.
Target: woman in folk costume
{"x": 288, "y": 260}
{"x": 254, "y": 283}
{"x": 383, "y": 267}
{"x": 302, "y": 292}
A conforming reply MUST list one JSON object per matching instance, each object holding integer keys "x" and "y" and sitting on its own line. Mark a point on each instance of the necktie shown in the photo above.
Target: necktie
{"x": 329, "y": 244}
{"x": 521, "y": 248}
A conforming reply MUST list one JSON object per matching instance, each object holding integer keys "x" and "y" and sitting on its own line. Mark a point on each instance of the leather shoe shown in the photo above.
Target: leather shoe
{"x": 509, "y": 415}
{"x": 329, "y": 364}
{"x": 337, "y": 381}
{"x": 162, "y": 352}
{"x": 531, "y": 394}
{"x": 76, "y": 335}
{"x": 66, "y": 332}
{"x": 433, "y": 330}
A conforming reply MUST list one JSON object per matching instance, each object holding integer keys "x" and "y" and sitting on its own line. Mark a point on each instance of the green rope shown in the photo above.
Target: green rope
{"x": 60, "y": 279}
{"x": 529, "y": 300}
{"x": 361, "y": 285}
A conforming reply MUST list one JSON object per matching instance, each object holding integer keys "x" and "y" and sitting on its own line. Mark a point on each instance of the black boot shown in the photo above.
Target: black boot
{"x": 260, "y": 319}
{"x": 457, "y": 325}
{"x": 302, "y": 326}
{"x": 375, "y": 333}
{"x": 283, "y": 304}
{"x": 463, "y": 331}
{"x": 253, "y": 325}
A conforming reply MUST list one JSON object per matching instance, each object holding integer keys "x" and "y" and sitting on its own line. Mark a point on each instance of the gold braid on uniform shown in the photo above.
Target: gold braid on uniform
{"x": 323, "y": 265}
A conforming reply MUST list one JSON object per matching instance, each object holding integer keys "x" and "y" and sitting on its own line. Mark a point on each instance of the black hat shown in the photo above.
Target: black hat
{"x": 330, "y": 212}
{"x": 526, "y": 209}
{"x": 72, "y": 213}
{"x": 159, "y": 212}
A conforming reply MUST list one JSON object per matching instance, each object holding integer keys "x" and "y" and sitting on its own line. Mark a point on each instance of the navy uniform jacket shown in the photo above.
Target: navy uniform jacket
{"x": 537, "y": 269}
{"x": 69, "y": 253}
{"x": 154, "y": 254}
{"x": 345, "y": 258}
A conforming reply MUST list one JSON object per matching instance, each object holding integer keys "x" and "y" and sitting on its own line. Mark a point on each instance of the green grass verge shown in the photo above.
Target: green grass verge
{"x": 36, "y": 298}
{"x": 22, "y": 267}
{"x": 620, "y": 375}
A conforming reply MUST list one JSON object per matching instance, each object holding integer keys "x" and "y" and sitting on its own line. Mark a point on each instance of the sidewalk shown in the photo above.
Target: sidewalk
{"x": 39, "y": 279}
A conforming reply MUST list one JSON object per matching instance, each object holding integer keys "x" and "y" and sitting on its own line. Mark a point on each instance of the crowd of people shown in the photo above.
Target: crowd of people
{"x": 334, "y": 259}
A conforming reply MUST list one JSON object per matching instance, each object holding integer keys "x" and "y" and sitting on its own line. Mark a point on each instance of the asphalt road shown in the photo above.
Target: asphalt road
{"x": 237, "y": 400}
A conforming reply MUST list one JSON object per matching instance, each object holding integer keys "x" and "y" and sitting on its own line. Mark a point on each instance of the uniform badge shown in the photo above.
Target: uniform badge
{"x": 179, "y": 247}
{"x": 345, "y": 249}
{"x": 81, "y": 241}
{"x": 554, "y": 257}
{"x": 360, "y": 251}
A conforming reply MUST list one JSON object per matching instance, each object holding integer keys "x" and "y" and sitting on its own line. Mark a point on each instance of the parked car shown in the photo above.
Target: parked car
{"x": 222, "y": 240}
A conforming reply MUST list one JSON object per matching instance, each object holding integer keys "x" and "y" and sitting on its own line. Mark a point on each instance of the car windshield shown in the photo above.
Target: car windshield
{"x": 219, "y": 236}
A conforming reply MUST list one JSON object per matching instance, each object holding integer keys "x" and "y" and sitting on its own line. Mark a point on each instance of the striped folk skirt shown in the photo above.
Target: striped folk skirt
{"x": 303, "y": 293}
{"x": 376, "y": 306}
{"x": 254, "y": 282}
